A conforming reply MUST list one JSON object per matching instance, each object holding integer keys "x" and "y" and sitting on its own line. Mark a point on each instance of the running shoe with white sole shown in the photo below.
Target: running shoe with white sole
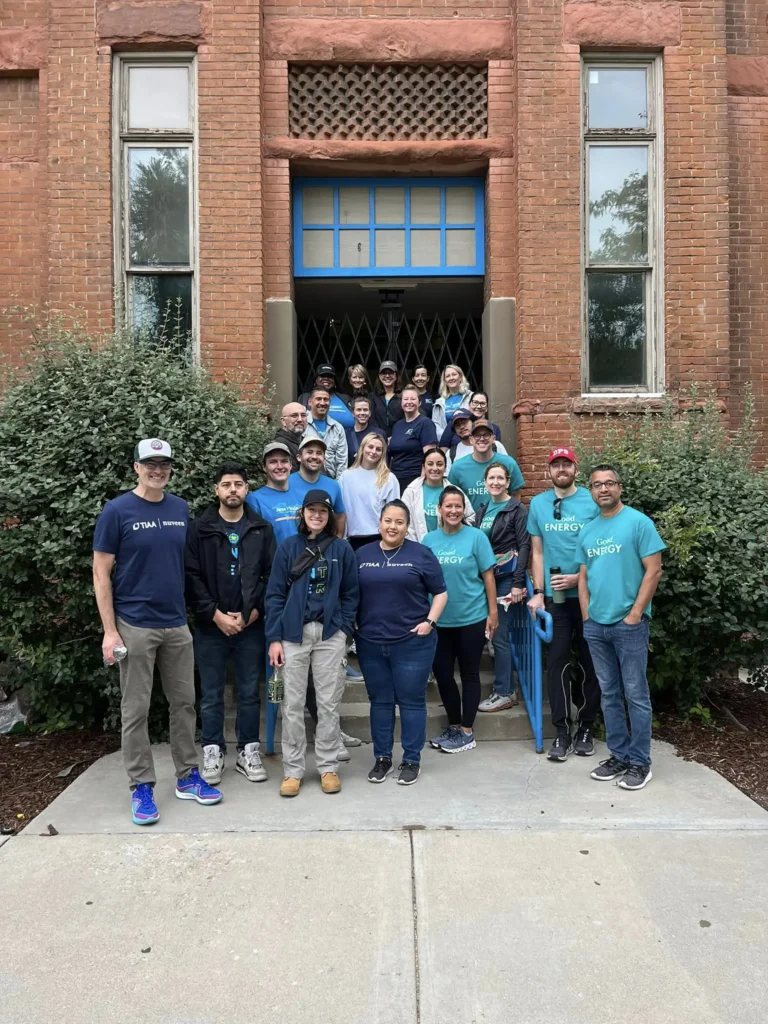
{"x": 250, "y": 765}
{"x": 213, "y": 764}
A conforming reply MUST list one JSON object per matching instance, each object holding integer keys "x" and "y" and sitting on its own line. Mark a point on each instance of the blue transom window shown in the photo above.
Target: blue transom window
{"x": 363, "y": 227}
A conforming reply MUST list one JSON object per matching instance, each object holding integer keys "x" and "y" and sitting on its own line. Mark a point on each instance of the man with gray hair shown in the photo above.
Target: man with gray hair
{"x": 141, "y": 535}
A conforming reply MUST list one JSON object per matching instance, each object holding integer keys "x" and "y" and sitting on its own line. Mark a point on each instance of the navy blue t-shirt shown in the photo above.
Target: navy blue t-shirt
{"x": 147, "y": 539}
{"x": 427, "y": 404}
{"x": 396, "y": 590}
{"x": 234, "y": 531}
{"x": 406, "y": 446}
{"x": 318, "y": 580}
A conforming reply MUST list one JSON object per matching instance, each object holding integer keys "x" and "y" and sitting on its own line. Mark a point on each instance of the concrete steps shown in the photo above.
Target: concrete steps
{"x": 512, "y": 724}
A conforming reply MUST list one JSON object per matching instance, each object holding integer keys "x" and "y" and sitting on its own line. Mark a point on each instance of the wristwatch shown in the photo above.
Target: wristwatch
{"x": 430, "y": 623}
{"x": 537, "y": 591}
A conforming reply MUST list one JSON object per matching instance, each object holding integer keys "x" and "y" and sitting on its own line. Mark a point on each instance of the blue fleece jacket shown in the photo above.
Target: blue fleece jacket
{"x": 285, "y": 605}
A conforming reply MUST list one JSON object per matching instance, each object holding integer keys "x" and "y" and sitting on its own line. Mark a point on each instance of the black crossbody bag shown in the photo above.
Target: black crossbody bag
{"x": 307, "y": 558}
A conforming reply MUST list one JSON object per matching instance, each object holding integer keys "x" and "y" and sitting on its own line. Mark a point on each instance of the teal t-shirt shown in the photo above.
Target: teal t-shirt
{"x": 560, "y": 537}
{"x": 612, "y": 548}
{"x": 469, "y": 475}
{"x": 431, "y": 494}
{"x": 463, "y": 556}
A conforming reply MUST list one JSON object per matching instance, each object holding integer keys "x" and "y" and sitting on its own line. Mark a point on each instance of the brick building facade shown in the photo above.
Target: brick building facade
{"x": 672, "y": 285}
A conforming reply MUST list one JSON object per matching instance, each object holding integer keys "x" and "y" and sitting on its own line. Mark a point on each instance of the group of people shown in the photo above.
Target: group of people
{"x": 389, "y": 539}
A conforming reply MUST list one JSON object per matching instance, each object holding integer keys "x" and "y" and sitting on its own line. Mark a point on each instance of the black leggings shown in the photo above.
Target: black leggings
{"x": 568, "y": 682}
{"x": 463, "y": 644}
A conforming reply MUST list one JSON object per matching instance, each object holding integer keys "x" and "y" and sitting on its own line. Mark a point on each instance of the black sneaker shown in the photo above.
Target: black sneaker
{"x": 636, "y": 777}
{"x": 583, "y": 744}
{"x": 409, "y": 772}
{"x": 561, "y": 748}
{"x": 380, "y": 770}
{"x": 609, "y": 769}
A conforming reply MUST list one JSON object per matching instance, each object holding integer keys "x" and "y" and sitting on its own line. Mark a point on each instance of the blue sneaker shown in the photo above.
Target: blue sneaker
{"x": 143, "y": 807}
{"x": 354, "y": 675}
{"x": 446, "y": 734}
{"x": 458, "y": 742}
{"x": 193, "y": 787}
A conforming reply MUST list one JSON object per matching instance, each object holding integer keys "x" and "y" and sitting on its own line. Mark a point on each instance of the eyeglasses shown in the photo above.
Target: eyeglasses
{"x": 557, "y": 514}
{"x": 478, "y": 404}
{"x": 157, "y": 463}
{"x": 604, "y": 485}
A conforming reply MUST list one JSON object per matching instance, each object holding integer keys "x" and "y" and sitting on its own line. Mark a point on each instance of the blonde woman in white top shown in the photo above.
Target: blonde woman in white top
{"x": 455, "y": 393}
{"x": 421, "y": 496}
{"x": 366, "y": 487}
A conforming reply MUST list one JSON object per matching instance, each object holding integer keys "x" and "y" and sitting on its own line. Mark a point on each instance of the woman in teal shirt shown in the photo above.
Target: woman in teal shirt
{"x": 467, "y": 560}
{"x": 422, "y": 495}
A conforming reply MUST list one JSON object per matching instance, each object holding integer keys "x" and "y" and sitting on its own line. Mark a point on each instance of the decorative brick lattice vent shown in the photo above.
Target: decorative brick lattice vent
{"x": 380, "y": 102}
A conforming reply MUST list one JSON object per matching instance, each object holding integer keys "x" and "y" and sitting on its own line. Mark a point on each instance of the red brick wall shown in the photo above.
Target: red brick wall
{"x": 747, "y": 36}
{"x": 56, "y": 189}
{"x": 21, "y": 192}
{"x": 230, "y": 191}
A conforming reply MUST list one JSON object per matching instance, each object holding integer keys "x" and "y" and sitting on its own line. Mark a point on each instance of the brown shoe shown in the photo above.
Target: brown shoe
{"x": 330, "y": 782}
{"x": 290, "y": 786}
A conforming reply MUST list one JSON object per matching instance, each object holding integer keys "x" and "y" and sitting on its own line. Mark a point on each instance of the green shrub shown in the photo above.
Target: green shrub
{"x": 69, "y": 420}
{"x": 695, "y": 479}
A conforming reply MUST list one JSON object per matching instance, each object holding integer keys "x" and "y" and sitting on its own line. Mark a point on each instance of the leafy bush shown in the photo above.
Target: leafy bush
{"x": 69, "y": 421}
{"x": 695, "y": 479}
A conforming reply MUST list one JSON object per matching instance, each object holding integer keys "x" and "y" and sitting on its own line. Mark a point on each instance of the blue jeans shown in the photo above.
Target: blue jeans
{"x": 397, "y": 674}
{"x": 503, "y": 681}
{"x": 212, "y": 652}
{"x": 620, "y": 656}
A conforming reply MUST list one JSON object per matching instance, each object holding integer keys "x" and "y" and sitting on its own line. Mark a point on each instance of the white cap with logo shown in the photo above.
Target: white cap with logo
{"x": 152, "y": 448}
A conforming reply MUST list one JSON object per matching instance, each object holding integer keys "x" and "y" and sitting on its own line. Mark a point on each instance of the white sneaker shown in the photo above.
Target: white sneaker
{"x": 350, "y": 741}
{"x": 249, "y": 763}
{"x": 498, "y": 702}
{"x": 343, "y": 754}
{"x": 213, "y": 764}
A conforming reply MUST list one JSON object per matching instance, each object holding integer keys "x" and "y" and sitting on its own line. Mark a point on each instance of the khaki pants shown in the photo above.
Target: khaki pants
{"x": 325, "y": 657}
{"x": 173, "y": 652}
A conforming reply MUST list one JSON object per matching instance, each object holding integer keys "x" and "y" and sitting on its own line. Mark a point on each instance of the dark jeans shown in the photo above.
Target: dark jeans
{"x": 463, "y": 644}
{"x": 620, "y": 654}
{"x": 568, "y": 683}
{"x": 212, "y": 652}
{"x": 397, "y": 674}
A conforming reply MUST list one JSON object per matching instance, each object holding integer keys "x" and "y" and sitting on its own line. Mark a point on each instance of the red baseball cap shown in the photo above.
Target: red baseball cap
{"x": 563, "y": 453}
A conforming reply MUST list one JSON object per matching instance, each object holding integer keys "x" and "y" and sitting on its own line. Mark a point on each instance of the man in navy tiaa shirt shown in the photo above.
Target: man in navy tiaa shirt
{"x": 141, "y": 535}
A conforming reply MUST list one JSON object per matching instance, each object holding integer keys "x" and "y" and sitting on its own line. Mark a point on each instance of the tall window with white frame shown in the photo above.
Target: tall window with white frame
{"x": 154, "y": 157}
{"x": 623, "y": 225}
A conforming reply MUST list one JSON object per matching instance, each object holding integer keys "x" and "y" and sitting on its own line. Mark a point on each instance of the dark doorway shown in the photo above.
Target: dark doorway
{"x": 430, "y": 322}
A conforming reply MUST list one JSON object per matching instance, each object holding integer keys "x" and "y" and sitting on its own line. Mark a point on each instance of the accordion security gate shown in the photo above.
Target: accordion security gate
{"x": 408, "y": 340}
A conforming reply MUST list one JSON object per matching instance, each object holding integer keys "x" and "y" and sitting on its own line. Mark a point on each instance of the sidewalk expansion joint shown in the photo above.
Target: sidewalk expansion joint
{"x": 415, "y": 914}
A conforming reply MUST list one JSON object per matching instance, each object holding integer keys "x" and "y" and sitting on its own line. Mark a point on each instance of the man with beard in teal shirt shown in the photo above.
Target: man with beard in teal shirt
{"x": 620, "y": 556}
{"x": 555, "y": 519}
{"x": 469, "y": 473}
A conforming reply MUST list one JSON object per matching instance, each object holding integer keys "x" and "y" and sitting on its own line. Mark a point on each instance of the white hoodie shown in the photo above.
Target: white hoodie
{"x": 414, "y": 500}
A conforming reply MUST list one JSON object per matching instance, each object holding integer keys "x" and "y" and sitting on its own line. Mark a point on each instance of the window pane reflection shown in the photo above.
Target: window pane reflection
{"x": 618, "y": 97}
{"x": 617, "y": 329}
{"x": 158, "y": 199}
{"x": 161, "y": 308}
{"x": 158, "y": 98}
{"x": 618, "y": 204}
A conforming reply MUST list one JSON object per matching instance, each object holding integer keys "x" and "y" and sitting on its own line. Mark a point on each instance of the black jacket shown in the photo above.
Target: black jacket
{"x": 384, "y": 415}
{"x": 510, "y": 533}
{"x": 207, "y": 561}
{"x": 292, "y": 441}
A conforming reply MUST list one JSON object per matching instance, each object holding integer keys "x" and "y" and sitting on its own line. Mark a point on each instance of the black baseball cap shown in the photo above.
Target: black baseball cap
{"x": 326, "y": 370}
{"x": 317, "y": 497}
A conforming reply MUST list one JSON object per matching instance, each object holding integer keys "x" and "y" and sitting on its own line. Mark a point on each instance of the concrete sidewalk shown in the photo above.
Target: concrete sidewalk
{"x": 455, "y": 899}
{"x": 497, "y": 785}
